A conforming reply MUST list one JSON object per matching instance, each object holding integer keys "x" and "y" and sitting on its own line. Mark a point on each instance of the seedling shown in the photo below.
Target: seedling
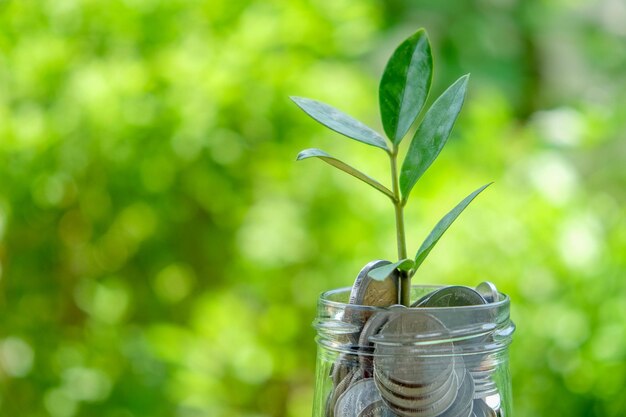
{"x": 404, "y": 88}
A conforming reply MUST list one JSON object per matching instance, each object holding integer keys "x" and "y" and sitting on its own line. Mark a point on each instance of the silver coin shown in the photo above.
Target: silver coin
{"x": 488, "y": 291}
{"x": 413, "y": 372}
{"x": 422, "y": 300}
{"x": 409, "y": 325}
{"x": 338, "y": 389}
{"x": 421, "y": 392}
{"x": 377, "y": 409}
{"x": 366, "y": 347}
{"x": 485, "y": 390}
{"x": 484, "y": 384}
{"x": 433, "y": 409}
{"x": 342, "y": 366}
{"x": 454, "y": 296}
{"x": 481, "y": 409}
{"x": 370, "y": 292}
{"x": 482, "y": 365}
{"x": 405, "y": 396}
{"x": 372, "y": 327}
{"x": 481, "y": 373}
{"x": 464, "y": 402}
{"x": 357, "y": 398}
{"x": 427, "y": 405}
{"x": 415, "y": 391}
{"x": 482, "y": 370}
{"x": 407, "y": 365}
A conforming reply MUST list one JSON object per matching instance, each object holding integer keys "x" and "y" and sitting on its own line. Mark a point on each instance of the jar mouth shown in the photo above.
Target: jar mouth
{"x": 331, "y": 299}
{"x": 346, "y": 327}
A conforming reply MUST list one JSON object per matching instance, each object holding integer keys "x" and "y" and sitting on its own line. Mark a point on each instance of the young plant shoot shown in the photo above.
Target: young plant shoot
{"x": 404, "y": 88}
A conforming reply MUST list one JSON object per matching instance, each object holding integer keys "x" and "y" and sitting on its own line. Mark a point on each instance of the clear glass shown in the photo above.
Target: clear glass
{"x": 412, "y": 362}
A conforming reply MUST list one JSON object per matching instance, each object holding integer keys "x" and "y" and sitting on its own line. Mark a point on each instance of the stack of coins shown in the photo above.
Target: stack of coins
{"x": 380, "y": 375}
{"x": 482, "y": 372}
{"x": 411, "y": 383}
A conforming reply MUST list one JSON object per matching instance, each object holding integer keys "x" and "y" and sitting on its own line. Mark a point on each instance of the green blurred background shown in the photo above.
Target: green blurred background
{"x": 161, "y": 253}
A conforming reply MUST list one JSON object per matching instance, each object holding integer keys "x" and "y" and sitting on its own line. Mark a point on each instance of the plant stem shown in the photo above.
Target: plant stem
{"x": 404, "y": 290}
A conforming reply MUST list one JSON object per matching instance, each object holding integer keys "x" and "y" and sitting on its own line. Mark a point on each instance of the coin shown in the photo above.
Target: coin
{"x": 420, "y": 302}
{"x": 357, "y": 398}
{"x": 464, "y": 402}
{"x": 338, "y": 389}
{"x": 411, "y": 370}
{"x": 365, "y": 345}
{"x": 485, "y": 389}
{"x": 418, "y": 391}
{"x": 482, "y": 369}
{"x": 453, "y": 296}
{"x": 371, "y": 327}
{"x": 406, "y": 365}
{"x": 370, "y": 292}
{"x": 488, "y": 291}
{"x": 377, "y": 409}
{"x": 481, "y": 409}
{"x": 342, "y": 366}
{"x": 425, "y": 405}
{"x": 409, "y": 325}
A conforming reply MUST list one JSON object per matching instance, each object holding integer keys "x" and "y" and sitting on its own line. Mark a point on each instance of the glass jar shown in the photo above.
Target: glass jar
{"x": 412, "y": 362}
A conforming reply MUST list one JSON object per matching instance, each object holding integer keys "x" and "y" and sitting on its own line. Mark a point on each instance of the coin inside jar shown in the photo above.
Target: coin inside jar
{"x": 357, "y": 398}
{"x": 338, "y": 389}
{"x": 426, "y": 405}
{"x": 488, "y": 291}
{"x": 481, "y": 409}
{"x": 464, "y": 402}
{"x": 367, "y": 291}
{"x": 453, "y": 296}
{"x": 412, "y": 365}
{"x": 342, "y": 366}
{"x": 365, "y": 346}
{"x": 423, "y": 395}
{"x": 377, "y": 409}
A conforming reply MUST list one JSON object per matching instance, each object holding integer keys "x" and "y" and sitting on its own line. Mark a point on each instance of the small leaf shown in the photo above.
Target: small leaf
{"x": 405, "y": 84}
{"x": 340, "y": 122}
{"x": 382, "y": 272}
{"x": 432, "y": 135}
{"x": 443, "y": 225}
{"x": 317, "y": 153}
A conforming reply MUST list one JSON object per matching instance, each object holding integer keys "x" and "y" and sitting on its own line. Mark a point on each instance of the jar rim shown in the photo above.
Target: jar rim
{"x": 324, "y": 299}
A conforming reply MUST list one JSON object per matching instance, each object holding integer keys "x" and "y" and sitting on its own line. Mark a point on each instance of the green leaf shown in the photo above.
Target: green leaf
{"x": 405, "y": 84}
{"x": 317, "y": 153}
{"x": 443, "y": 225}
{"x": 340, "y": 122}
{"x": 432, "y": 135}
{"x": 382, "y": 272}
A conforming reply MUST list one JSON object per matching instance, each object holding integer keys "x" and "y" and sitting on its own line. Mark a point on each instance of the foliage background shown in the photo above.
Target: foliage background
{"x": 161, "y": 253}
